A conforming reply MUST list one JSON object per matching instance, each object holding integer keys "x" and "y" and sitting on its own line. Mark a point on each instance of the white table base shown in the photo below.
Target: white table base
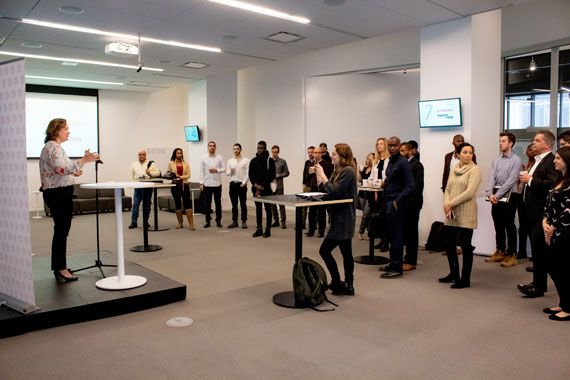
{"x": 128, "y": 282}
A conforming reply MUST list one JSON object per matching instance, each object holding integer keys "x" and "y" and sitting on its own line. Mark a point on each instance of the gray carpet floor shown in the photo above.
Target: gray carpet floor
{"x": 407, "y": 328}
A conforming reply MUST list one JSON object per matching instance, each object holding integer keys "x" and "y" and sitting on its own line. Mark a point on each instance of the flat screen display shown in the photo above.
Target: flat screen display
{"x": 440, "y": 113}
{"x": 192, "y": 133}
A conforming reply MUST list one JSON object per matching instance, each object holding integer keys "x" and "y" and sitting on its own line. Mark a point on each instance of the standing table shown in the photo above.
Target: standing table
{"x": 371, "y": 259}
{"x": 287, "y": 298}
{"x": 157, "y": 184}
{"x": 121, "y": 281}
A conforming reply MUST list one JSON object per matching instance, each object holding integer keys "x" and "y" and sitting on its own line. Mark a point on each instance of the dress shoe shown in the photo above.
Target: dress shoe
{"x": 244, "y": 225}
{"x": 448, "y": 279}
{"x": 549, "y": 310}
{"x": 532, "y": 293}
{"x": 461, "y": 285}
{"x": 310, "y": 234}
{"x": 392, "y": 274}
{"x": 219, "y": 224}
{"x": 258, "y": 232}
{"x": 510, "y": 261}
{"x": 387, "y": 268}
{"x": 266, "y": 234}
{"x": 521, "y": 256}
{"x": 233, "y": 225}
{"x": 408, "y": 267}
{"x": 321, "y": 234}
{"x": 385, "y": 246}
{"x": 530, "y": 285}
{"x": 275, "y": 224}
{"x": 207, "y": 225}
{"x": 529, "y": 269}
{"x": 343, "y": 290}
{"x": 132, "y": 225}
{"x": 61, "y": 279}
{"x": 555, "y": 317}
{"x": 283, "y": 226}
{"x": 497, "y": 257}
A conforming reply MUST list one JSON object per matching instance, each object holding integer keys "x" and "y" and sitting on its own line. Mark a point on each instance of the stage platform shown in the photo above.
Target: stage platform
{"x": 81, "y": 301}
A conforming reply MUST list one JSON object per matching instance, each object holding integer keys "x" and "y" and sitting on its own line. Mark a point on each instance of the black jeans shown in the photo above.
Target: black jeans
{"x": 348, "y": 261}
{"x": 183, "y": 192}
{"x": 503, "y": 214}
{"x": 560, "y": 269}
{"x": 281, "y": 209}
{"x": 60, "y": 202}
{"x": 458, "y": 236}
{"x": 216, "y": 191}
{"x": 238, "y": 192}
{"x": 395, "y": 220}
{"x": 411, "y": 234}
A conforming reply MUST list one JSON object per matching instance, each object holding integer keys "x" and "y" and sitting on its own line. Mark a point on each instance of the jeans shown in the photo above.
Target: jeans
{"x": 144, "y": 196}
{"x": 215, "y": 191}
{"x": 348, "y": 261}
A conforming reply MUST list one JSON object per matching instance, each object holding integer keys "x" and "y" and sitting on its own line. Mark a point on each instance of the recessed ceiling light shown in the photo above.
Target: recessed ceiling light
{"x": 71, "y": 10}
{"x": 334, "y": 2}
{"x": 195, "y": 65}
{"x": 73, "y": 80}
{"x": 229, "y": 37}
{"x": 284, "y": 37}
{"x": 164, "y": 61}
{"x": 262, "y": 10}
{"x": 81, "y": 29}
{"x": 66, "y": 63}
{"x": 138, "y": 83}
{"x": 78, "y": 60}
{"x": 32, "y": 45}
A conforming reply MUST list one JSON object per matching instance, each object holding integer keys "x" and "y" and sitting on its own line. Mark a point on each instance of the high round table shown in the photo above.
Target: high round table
{"x": 121, "y": 281}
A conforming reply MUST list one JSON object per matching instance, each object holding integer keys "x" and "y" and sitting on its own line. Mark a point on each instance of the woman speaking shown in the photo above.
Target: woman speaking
{"x": 56, "y": 173}
{"x": 342, "y": 185}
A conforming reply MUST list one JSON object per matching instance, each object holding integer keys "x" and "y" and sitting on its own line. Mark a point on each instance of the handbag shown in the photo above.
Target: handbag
{"x": 169, "y": 175}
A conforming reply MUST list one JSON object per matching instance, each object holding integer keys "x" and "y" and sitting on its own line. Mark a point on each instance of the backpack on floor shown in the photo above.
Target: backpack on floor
{"x": 310, "y": 283}
{"x": 435, "y": 238}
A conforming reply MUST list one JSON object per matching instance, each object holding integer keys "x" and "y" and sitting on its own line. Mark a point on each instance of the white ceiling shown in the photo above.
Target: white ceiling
{"x": 240, "y": 34}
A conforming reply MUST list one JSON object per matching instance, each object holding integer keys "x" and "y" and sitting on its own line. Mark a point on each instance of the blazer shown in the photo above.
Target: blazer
{"x": 446, "y": 168}
{"x": 343, "y": 215}
{"x": 185, "y": 169}
{"x": 535, "y": 195}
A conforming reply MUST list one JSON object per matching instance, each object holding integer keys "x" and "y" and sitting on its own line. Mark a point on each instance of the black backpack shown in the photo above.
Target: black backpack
{"x": 435, "y": 238}
{"x": 310, "y": 283}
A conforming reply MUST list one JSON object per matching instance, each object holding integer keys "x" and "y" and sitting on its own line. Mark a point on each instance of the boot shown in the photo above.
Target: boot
{"x": 190, "y": 217}
{"x": 179, "y": 217}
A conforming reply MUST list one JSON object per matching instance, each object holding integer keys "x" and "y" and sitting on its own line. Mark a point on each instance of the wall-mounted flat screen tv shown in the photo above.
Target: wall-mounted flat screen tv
{"x": 440, "y": 113}
{"x": 192, "y": 133}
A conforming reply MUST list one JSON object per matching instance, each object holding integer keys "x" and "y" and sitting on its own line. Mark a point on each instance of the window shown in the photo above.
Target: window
{"x": 564, "y": 87}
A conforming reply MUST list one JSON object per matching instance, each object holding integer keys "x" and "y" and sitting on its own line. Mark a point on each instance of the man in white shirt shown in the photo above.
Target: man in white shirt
{"x": 142, "y": 169}
{"x": 211, "y": 167}
{"x": 237, "y": 169}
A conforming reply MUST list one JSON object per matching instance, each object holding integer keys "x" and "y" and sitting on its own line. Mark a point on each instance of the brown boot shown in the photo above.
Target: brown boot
{"x": 510, "y": 261}
{"x": 497, "y": 257}
{"x": 190, "y": 217}
{"x": 180, "y": 219}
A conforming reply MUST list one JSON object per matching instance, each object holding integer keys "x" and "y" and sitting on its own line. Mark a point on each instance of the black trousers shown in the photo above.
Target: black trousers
{"x": 317, "y": 216}
{"x": 181, "y": 191}
{"x": 458, "y": 236}
{"x": 348, "y": 261}
{"x": 395, "y": 220}
{"x": 60, "y": 202}
{"x": 259, "y": 215}
{"x": 503, "y": 214}
{"x": 238, "y": 193}
{"x": 411, "y": 233}
{"x": 215, "y": 191}
{"x": 274, "y": 211}
{"x": 524, "y": 229}
{"x": 560, "y": 270}
{"x": 539, "y": 256}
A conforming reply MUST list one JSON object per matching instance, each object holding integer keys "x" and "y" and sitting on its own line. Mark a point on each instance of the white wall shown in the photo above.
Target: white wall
{"x": 359, "y": 108}
{"x": 271, "y": 97}
{"x": 129, "y": 121}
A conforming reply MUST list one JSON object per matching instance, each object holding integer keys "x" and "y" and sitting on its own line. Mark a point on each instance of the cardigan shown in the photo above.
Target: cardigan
{"x": 343, "y": 215}
{"x": 460, "y": 195}
{"x": 185, "y": 169}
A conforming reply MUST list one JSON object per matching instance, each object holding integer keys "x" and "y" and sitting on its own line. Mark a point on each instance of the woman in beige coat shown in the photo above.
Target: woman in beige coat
{"x": 460, "y": 207}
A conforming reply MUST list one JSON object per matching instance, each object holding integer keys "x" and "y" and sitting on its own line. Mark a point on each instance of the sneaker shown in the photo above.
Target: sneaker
{"x": 233, "y": 225}
{"x": 244, "y": 225}
{"x": 407, "y": 267}
{"x": 132, "y": 225}
{"x": 497, "y": 257}
{"x": 258, "y": 232}
{"x": 510, "y": 261}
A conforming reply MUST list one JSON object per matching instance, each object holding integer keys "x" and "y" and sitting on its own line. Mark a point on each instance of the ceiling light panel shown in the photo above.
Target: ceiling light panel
{"x": 284, "y": 37}
{"x": 195, "y": 65}
{"x": 251, "y": 7}
{"x": 72, "y": 80}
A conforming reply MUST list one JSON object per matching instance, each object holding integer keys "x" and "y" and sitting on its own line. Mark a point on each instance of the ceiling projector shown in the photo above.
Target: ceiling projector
{"x": 121, "y": 49}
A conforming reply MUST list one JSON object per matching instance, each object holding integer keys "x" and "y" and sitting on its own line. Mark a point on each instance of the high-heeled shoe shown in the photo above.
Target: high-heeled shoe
{"x": 61, "y": 279}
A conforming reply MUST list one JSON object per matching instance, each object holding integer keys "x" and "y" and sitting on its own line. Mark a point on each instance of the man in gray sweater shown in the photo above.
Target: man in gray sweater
{"x": 281, "y": 171}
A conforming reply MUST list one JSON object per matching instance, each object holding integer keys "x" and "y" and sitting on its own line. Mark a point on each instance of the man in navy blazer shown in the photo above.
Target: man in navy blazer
{"x": 538, "y": 181}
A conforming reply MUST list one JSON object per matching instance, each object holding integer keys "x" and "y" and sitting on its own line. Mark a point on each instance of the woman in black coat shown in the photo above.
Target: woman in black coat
{"x": 556, "y": 225}
{"x": 342, "y": 185}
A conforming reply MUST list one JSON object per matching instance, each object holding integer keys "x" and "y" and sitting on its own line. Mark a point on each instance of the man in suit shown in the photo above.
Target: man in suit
{"x": 537, "y": 183}
{"x": 416, "y": 201}
{"x": 451, "y": 159}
